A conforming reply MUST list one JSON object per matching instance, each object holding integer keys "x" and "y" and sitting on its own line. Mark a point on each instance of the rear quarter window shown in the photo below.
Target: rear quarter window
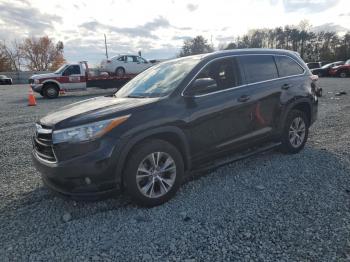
{"x": 258, "y": 68}
{"x": 288, "y": 67}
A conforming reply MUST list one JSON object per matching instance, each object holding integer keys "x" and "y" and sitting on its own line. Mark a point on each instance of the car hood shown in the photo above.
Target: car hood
{"x": 39, "y": 76}
{"x": 93, "y": 110}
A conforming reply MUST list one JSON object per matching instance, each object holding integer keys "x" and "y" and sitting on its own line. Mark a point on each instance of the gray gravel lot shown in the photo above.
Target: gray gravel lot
{"x": 269, "y": 207}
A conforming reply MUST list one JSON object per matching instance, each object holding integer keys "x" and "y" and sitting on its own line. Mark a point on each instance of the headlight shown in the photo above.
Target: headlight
{"x": 36, "y": 81}
{"x": 86, "y": 132}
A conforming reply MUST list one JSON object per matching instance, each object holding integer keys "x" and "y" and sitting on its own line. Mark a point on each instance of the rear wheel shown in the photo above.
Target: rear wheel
{"x": 50, "y": 91}
{"x": 319, "y": 92}
{"x": 343, "y": 74}
{"x": 153, "y": 173}
{"x": 120, "y": 71}
{"x": 295, "y": 132}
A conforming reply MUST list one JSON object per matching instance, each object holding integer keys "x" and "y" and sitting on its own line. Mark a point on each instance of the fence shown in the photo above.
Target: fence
{"x": 21, "y": 77}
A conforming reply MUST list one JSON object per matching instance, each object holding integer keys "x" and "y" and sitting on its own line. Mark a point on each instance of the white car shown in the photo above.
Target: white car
{"x": 125, "y": 64}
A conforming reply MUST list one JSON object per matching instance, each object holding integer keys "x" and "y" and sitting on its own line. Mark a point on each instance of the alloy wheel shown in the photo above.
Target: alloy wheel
{"x": 156, "y": 175}
{"x": 297, "y": 132}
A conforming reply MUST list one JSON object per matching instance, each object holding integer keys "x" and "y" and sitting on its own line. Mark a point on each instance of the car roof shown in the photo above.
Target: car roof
{"x": 246, "y": 51}
{"x": 223, "y": 53}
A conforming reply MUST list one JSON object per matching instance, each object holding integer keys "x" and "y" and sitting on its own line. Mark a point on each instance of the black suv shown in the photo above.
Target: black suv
{"x": 175, "y": 117}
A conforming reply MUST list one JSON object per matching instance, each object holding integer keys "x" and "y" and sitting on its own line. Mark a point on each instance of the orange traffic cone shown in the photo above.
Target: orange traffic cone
{"x": 31, "y": 98}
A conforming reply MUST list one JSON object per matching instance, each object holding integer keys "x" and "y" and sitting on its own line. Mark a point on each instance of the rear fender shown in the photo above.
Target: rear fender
{"x": 288, "y": 107}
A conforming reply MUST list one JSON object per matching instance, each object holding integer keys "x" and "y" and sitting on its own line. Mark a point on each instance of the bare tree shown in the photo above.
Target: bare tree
{"x": 42, "y": 54}
{"x": 10, "y": 56}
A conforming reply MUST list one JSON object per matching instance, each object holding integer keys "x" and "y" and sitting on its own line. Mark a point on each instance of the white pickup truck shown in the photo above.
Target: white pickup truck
{"x": 73, "y": 77}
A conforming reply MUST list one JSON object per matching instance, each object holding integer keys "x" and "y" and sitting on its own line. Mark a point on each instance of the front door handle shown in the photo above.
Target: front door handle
{"x": 286, "y": 86}
{"x": 244, "y": 98}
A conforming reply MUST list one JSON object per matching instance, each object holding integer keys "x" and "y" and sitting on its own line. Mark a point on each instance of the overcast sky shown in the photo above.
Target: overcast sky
{"x": 157, "y": 27}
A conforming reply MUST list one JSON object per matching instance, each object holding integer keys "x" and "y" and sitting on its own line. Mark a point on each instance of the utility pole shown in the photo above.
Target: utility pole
{"x": 106, "y": 46}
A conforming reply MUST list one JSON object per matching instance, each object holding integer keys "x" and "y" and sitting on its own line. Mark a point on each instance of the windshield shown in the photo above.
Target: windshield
{"x": 159, "y": 80}
{"x": 2, "y": 76}
{"x": 60, "y": 70}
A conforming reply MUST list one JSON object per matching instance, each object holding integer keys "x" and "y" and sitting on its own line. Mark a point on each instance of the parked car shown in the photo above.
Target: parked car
{"x": 313, "y": 65}
{"x": 324, "y": 70}
{"x": 341, "y": 70}
{"x": 125, "y": 64}
{"x": 4, "y": 80}
{"x": 177, "y": 116}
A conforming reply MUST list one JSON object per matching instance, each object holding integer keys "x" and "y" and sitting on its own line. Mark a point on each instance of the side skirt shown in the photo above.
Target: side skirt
{"x": 237, "y": 156}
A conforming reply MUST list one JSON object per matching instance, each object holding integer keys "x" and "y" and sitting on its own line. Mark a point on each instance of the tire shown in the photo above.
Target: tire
{"x": 142, "y": 175}
{"x": 50, "y": 91}
{"x": 343, "y": 74}
{"x": 120, "y": 71}
{"x": 291, "y": 144}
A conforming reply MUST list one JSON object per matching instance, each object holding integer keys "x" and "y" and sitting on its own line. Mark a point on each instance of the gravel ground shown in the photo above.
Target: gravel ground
{"x": 269, "y": 207}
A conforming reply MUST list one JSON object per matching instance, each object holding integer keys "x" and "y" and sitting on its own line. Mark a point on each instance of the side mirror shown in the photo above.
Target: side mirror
{"x": 202, "y": 86}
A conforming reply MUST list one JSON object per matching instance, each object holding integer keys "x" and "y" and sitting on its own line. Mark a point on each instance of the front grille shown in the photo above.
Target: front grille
{"x": 43, "y": 144}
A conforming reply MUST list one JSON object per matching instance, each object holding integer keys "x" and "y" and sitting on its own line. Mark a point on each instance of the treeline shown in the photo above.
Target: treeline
{"x": 321, "y": 46}
{"x": 37, "y": 54}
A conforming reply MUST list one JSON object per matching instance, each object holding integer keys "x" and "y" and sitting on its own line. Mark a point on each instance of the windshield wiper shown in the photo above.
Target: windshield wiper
{"x": 135, "y": 96}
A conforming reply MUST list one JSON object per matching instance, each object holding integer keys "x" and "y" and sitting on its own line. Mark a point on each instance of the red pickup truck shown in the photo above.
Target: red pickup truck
{"x": 341, "y": 70}
{"x": 73, "y": 77}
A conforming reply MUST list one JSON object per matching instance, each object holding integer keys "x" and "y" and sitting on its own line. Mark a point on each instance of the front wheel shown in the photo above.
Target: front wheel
{"x": 295, "y": 132}
{"x": 153, "y": 173}
{"x": 50, "y": 91}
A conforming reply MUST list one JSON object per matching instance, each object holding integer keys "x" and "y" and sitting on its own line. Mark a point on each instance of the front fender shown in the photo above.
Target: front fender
{"x": 48, "y": 81}
{"x": 129, "y": 143}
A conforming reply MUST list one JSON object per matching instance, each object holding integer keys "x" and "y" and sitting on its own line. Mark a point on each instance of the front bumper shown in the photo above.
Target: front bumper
{"x": 36, "y": 87}
{"x": 87, "y": 176}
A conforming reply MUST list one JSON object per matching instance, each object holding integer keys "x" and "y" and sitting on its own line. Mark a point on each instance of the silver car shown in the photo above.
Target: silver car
{"x": 125, "y": 64}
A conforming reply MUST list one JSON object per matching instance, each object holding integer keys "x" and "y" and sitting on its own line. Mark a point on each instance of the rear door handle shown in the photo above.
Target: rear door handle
{"x": 286, "y": 86}
{"x": 244, "y": 98}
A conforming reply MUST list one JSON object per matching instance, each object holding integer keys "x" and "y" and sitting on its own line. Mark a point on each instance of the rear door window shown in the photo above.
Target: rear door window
{"x": 258, "y": 68}
{"x": 288, "y": 67}
{"x": 122, "y": 58}
{"x": 131, "y": 59}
